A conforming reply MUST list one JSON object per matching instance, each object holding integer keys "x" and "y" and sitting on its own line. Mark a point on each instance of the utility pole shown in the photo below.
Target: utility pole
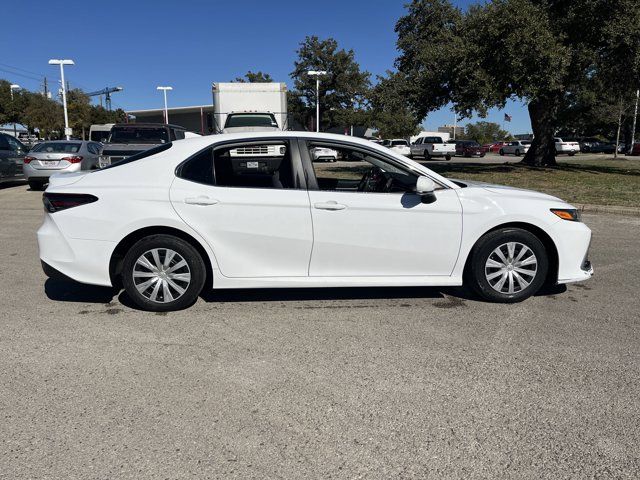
{"x": 14, "y": 87}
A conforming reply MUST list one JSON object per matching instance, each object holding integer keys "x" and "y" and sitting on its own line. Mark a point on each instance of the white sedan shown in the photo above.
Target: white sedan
{"x": 188, "y": 215}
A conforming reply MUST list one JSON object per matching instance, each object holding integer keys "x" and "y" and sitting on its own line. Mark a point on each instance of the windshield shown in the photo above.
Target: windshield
{"x": 471, "y": 144}
{"x": 57, "y": 147}
{"x": 100, "y": 135}
{"x": 250, "y": 120}
{"x": 526, "y": 143}
{"x": 395, "y": 143}
{"x": 151, "y": 135}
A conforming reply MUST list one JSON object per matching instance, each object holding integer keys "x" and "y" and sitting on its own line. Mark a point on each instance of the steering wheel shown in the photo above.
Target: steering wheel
{"x": 375, "y": 180}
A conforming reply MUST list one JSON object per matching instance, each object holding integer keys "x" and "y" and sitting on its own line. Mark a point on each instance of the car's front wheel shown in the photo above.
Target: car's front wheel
{"x": 507, "y": 265}
{"x": 162, "y": 273}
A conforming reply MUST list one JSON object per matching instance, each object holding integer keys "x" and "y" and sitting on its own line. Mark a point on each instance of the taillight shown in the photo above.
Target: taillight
{"x": 54, "y": 202}
{"x": 73, "y": 159}
{"x": 28, "y": 159}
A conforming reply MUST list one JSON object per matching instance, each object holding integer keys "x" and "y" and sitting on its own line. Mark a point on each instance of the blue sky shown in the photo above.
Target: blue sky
{"x": 140, "y": 44}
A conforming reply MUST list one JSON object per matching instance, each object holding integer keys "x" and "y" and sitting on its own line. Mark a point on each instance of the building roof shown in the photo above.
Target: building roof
{"x": 159, "y": 111}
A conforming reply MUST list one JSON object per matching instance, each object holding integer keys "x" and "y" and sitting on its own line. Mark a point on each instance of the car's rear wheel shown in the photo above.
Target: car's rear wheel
{"x": 507, "y": 265}
{"x": 501, "y": 152}
{"x": 162, "y": 273}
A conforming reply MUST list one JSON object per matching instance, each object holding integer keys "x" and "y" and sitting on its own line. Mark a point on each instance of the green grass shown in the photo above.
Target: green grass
{"x": 599, "y": 181}
{"x": 603, "y": 181}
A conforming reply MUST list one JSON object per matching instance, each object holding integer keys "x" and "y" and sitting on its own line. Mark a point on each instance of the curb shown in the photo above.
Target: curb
{"x": 613, "y": 209}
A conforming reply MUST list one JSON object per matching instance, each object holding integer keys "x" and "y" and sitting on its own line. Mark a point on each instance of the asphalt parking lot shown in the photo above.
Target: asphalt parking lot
{"x": 336, "y": 383}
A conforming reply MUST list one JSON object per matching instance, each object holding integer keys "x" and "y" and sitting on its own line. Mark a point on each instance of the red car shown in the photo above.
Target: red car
{"x": 468, "y": 148}
{"x": 635, "y": 150}
{"x": 493, "y": 147}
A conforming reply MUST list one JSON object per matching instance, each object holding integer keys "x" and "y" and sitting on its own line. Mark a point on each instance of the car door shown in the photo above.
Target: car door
{"x": 378, "y": 233}
{"x": 11, "y": 158}
{"x": 415, "y": 147}
{"x": 248, "y": 200}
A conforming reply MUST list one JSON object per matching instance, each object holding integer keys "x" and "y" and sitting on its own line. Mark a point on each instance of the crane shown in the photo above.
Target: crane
{"x": 107, "y": 91}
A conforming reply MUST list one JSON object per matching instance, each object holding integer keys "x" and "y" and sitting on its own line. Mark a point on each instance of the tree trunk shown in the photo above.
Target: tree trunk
{"x": 543, "y": 148}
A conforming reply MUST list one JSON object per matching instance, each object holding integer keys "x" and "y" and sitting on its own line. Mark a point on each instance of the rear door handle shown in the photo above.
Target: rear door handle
{"x": 330, "y": 205}
{"x": 201, "y": 200}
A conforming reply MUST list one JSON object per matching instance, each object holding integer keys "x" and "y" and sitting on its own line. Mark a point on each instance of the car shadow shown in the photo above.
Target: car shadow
{"x": 331, "y": 293}
{"x": 69, "y": 291}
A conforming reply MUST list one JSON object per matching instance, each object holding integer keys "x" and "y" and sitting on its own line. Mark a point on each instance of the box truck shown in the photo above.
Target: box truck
{"x": 247, "y": 107}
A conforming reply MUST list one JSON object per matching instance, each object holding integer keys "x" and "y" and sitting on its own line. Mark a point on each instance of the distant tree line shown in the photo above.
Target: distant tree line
{"x": 37, "y": 112}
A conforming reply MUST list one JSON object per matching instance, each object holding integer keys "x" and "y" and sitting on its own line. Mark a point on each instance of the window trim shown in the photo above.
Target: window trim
{"x": 300, "y": 177}
{"x": 312, "y": 180}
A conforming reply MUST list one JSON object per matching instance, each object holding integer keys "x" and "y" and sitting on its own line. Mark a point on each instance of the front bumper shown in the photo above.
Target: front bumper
{"x": 572, "y": 240}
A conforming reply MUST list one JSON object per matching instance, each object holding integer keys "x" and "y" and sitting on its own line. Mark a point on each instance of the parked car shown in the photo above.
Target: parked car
{"x": 186, "y": 215}
{"x": 468, "y": 148}
{"x": 493, "y": 147}
{"x": 12, "y": 152}
{"x": 517, "y": 148}
{"x": 59, "y": 156}
{"x": 400, "y": 146}
{"x": 100, "y": 132}
{"x": 324, "y": 154}
{"x": 587, "y": 143}
{"x": 635, "y": 150}
{"x": 430, "y": 147}
{"x": 603, "y": 147}
{"x": 568, "y": 147}
{"x": 127, "y": 139}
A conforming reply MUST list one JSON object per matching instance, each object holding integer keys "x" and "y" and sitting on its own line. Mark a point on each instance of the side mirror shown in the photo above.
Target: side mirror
{"x": 425, "y": 187}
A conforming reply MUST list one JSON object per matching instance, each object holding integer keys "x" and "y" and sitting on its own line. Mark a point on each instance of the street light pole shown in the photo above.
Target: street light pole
{"x": 14, "y": 87}
{"x": 62, "y": 63}
{"x": 166, "y": 111}
{"x": 317, "y": 74}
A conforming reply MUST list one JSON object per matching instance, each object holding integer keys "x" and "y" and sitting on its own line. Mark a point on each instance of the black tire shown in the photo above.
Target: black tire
{"x": 447, "y": 157}
{"x": 36, "y": 185}
{"x": 501, "y": 152}
{"x": 517, "y": 153}
{"x": 475, "y": 276}
{"x": 186, "y": 251}
{"x": 426, "y": 155}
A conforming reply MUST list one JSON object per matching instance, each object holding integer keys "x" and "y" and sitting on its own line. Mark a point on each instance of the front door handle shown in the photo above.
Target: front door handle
{"x": 200, "y": 200}
{"x": 330, "y": 205}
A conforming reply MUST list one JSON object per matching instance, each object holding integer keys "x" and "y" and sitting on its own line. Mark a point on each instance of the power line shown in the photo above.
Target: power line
{"x": 22, "y": 69}
{"x": 39, "y": 79}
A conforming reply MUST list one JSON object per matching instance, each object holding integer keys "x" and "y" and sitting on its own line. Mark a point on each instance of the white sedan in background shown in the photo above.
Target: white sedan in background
{"x": 188, "y": 215}
{"x": 517, "y": 148}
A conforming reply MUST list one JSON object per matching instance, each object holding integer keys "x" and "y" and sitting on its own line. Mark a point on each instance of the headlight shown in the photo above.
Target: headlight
{"x": 571, "y": 214}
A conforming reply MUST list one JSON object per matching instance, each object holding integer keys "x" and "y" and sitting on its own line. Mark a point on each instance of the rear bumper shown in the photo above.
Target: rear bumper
{"x": 85, "y": 261}
{"x": 45, "y": 173}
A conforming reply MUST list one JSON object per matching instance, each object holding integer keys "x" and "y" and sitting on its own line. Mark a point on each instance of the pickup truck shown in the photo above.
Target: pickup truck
{"x": 127, "y": 139}
{"x": 432, "y": 147}
{"x": 570, "y": 148}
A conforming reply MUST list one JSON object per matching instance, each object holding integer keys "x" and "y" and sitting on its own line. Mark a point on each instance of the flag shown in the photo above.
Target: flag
{"x": 507, "y": 118}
